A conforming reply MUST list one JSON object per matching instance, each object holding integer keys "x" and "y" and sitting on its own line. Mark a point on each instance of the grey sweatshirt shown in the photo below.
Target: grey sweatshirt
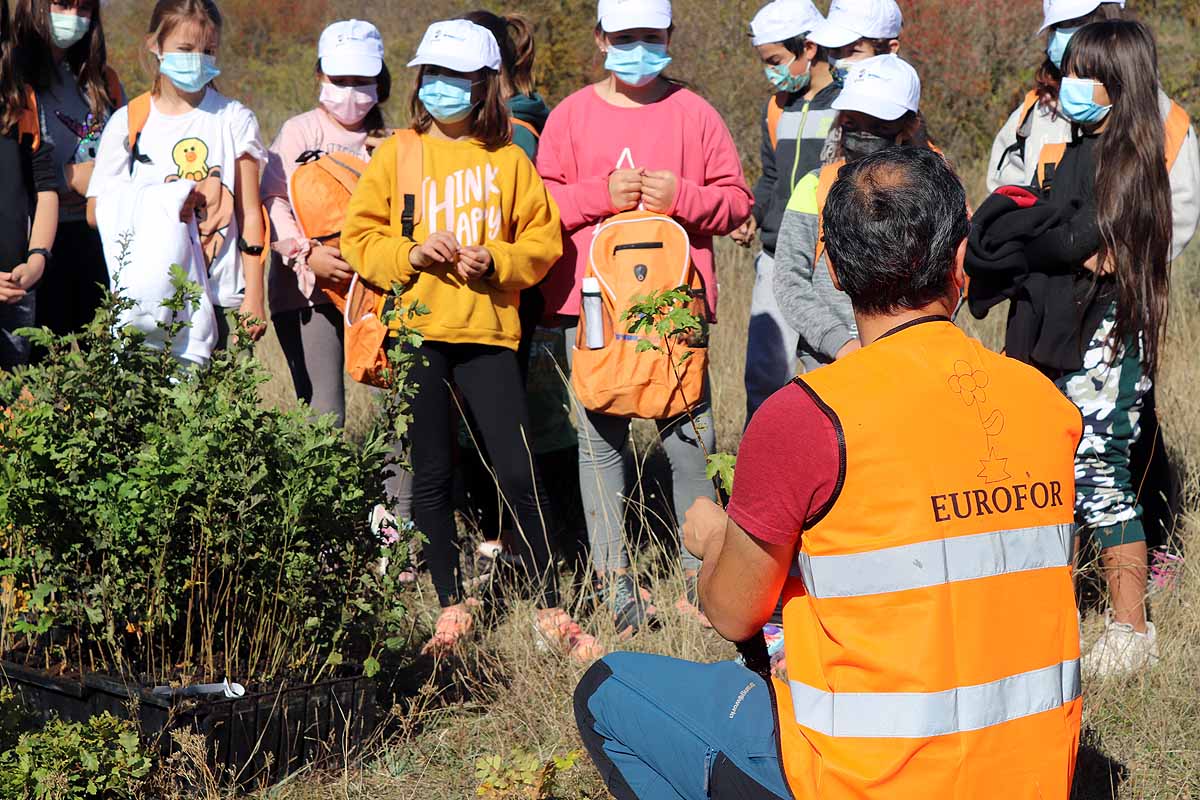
{"x": 810, "y": 303}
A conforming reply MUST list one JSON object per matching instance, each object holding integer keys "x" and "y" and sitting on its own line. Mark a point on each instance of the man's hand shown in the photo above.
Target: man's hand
{"x": 327, "y": 264}
{"x": 440, "y": 248}
{"x": 659, "y": 189}
{"x": 625, "y": 188}
{"x": 704, "y": 522}
{"x": 744, "y": 234}
{"x": 473, "y": 263}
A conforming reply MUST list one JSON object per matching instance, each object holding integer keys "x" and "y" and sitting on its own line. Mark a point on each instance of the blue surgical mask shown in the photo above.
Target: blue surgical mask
{"x": 1057, "y": 47}
{"x": 67, "y": 29}
{"x": 781, "y": 77}
{"x": 447, "y": 98}
{"x": 190, "y": 72}
{"x": 1075, "y": 101}
{"x": 638, "y": 63}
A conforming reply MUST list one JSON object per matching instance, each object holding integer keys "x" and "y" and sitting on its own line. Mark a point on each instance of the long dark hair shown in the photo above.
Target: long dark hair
{"x": 373, "y": 123}
{"x": 87, "y": 58}
{"x": 490, "y": 121}
{"x": 514, "y": 35}
{"x": 1048, "y": 76}
{"x": 1133, "y": 192}
{"x": 12, "y": 94}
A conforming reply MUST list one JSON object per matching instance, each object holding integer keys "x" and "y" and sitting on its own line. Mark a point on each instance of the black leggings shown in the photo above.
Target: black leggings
{"x": 492, "y": 388}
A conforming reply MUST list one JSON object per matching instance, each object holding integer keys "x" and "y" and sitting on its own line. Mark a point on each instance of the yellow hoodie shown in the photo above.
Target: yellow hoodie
{"x": 491, "y": 198}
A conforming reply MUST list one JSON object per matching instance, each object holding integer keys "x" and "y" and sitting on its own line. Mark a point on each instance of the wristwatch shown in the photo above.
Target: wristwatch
{"x": 247, "y": 249}
{"x": 41, "y": 251}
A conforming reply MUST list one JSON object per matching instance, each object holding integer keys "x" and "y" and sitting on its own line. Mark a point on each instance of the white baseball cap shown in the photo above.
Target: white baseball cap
{"x": 1057, "y": 11}
{"x": 623, "y": 15}
{"x": 781, "y": 20}
{"x": 851, "y": 20}
{"x": 459, "y": 45}
{"x": 886, "y": 87}
{"x": 351, "y": 47}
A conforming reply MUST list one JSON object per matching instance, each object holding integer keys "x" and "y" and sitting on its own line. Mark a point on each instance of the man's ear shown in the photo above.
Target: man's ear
{"x": 958, "y": 274}
{"x": 810, "y": 52}
{"x": 832, "y": 271}
{"x": 894, "y": 46}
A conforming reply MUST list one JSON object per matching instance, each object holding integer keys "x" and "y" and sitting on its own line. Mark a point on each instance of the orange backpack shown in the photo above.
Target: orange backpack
{"x": 632, "y": 255}
{"x": 319, "y": 193}
{"x": 366, "y": 306}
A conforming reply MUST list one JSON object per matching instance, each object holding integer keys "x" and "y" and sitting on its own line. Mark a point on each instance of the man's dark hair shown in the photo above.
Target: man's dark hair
{"x": 893, "y": 224}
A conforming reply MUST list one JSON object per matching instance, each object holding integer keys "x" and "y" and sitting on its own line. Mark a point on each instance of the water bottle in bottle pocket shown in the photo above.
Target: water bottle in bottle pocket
{"x": 593, "y": 313}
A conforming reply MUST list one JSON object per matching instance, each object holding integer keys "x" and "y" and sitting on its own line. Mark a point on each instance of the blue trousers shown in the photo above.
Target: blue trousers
{"x": 659, "y": 728}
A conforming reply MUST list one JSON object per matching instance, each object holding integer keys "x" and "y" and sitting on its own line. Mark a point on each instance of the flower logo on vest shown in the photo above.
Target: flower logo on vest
{"x": 969, "y": 383}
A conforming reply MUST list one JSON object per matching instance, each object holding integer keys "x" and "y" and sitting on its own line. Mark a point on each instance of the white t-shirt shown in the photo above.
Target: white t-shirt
{"x": 202, "y": 145}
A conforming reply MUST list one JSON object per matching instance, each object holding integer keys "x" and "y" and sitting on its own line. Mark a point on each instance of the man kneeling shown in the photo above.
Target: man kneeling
{"x": 912, "y": 503}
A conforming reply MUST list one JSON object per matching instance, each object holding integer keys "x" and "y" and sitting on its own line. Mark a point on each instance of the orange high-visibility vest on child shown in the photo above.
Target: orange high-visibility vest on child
{"x": 932, "y": 633}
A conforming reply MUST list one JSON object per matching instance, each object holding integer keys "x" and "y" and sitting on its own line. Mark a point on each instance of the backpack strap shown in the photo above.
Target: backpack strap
{"x": 29, "y": 124}
{"x": 1024, "y": 128}
{"x": 774, "y": 115}
{"x": 825, "y": 182}
{"x": 520, "y": 123}
{"x": 1176, "y": 127}
{"x": 112, "y": 86}
{"x": 1048, "y": 162}
{"x": 345, "y": 174}
{"x": 139, "y": 112}
{"x": 410, "y": 171}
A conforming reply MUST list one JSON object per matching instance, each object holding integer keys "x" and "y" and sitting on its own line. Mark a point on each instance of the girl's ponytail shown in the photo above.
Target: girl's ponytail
{"x": 520, "y": 35}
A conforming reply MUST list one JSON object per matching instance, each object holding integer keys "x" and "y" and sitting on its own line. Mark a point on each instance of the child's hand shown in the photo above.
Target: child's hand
{"x": 440, "y": 248}
{"x": 327, "y": 264}
{"x": 10, "y": 291}
{"x": 659, "y": 189}
{"x": 25, "y": 276}
{"x": 254, "y": 314}
{"x": 194, "y": 207}
{"x": 473, "y": 263}
{"x": 79, "y": 176}
{"x": 625, "y": 188}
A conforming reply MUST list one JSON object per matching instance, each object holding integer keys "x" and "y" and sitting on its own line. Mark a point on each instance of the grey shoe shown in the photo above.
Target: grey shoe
{"x": 623, "y": 598}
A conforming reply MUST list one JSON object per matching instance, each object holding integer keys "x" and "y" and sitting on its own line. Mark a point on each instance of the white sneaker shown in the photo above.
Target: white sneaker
{"x": 1121, "y": 651}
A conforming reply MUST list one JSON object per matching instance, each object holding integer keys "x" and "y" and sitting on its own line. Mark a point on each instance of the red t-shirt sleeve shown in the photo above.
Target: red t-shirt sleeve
{"x": 787, "y": 467}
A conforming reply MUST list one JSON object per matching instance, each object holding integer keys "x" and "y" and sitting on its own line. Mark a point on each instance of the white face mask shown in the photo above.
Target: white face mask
{"x": 68, "y": 29}
{"x": 348, "y": 104}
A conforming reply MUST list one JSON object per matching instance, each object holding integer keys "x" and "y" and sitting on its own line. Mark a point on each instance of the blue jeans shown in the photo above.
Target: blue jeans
{"x": 770, "y": 342}
{"x": 659, "y": 728}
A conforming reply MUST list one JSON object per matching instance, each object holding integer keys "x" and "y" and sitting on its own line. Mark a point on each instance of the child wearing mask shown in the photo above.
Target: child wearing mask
{"x": 1098, "y": 283}
{"x": 796, "y": 122}
{"x": 878, "y": 108}
{"x": 637, "y": 139}
{"x": 195, "y": 133}
{"x": 28, "y": 183}
{"x": 1039, "y": 121}
{"x": 63, "y": 52}
{"x": 542, "y": 352}
{"x": 354, "y": 82}
{"x": 487, "y": 230}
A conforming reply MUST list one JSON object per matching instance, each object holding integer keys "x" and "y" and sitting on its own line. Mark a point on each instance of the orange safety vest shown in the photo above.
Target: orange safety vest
{"x": 1175, "y": 132}
{"x": 930, "y": 619}
{"x": 825, "y": 180}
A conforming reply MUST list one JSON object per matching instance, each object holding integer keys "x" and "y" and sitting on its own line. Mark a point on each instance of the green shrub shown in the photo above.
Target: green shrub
{"x": 101, "y": 758}
{"x": 163, "y": 523}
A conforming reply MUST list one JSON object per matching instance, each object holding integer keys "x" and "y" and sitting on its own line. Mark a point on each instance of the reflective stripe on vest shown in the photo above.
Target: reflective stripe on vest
{"x": 926, "y": 564}
{"x": 919, "y": 715}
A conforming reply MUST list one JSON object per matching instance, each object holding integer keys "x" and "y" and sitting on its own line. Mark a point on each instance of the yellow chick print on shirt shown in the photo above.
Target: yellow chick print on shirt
{"x": 191, "y": 156}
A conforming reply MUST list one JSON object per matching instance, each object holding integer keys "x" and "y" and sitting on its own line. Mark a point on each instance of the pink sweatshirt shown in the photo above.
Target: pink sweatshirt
{"x": 586, "y": 138}
{"x": 294, "y": 287}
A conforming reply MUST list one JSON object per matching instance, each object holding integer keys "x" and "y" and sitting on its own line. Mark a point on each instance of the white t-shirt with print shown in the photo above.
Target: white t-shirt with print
{"x": 204, "y": 143}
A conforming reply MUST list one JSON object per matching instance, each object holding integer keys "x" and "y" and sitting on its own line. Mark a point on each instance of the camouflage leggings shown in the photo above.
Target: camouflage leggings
{"x": 1109, "y": 394}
